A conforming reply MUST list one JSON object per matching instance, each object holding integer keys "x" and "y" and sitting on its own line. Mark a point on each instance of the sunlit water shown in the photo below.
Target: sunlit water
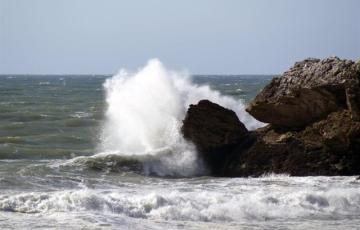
{"x": 60, "y": 168}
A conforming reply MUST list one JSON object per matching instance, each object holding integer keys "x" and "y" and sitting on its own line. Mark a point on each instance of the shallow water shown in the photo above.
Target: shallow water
{"x": 51, "y": 194}
{"x": 51, "y": 128}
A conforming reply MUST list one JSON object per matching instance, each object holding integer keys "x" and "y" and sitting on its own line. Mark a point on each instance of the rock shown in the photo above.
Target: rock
{"x": 314, "y": 116}
{"x": 308, "y": 92}
{"x": 214, "y": 130}
{"x": 352, "y": 100}
{"x": 328, "y": 147}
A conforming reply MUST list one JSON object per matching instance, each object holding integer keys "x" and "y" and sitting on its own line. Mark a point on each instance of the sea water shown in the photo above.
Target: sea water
{"x": 106, "y": 152}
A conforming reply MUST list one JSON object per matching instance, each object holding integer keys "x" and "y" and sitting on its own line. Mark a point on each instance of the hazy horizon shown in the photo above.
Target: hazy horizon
{"x": 202, "y": 37}
{"x": 111, "y": 74}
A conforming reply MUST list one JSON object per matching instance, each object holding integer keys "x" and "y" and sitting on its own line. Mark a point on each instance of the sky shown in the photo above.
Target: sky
{"x": 200, "y": 36}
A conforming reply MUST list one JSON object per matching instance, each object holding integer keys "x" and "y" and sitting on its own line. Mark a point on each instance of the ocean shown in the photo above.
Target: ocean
{"x": 105, "y": 152}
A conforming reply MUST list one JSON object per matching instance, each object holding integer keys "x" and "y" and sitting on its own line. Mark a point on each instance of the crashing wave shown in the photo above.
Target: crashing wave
{"x": 144, "y": 115}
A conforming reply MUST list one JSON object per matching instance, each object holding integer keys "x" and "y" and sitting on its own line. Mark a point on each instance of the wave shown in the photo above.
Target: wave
{"x": 145, "y": 112}
{"x": 79, "y": 122}
{"x": 26, "y": 116}
{"x": 162, "y": 162}
{"x": 215, "y": 203}
{"x": 12, "y": 140}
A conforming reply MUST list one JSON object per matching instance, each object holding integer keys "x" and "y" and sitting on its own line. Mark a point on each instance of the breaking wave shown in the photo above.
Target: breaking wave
{"x": 232, "y": 200}
{"x": 144, "y": 114}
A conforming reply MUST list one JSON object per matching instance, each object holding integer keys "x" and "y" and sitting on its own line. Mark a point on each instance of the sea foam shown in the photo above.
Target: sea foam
{"x": 227, "y": 200}
{"x": 144, "y": 114}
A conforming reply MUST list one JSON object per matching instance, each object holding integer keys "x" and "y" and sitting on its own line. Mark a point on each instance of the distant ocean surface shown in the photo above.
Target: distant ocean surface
{"x": 59, "y": 117}
{"x": 103, "y": 152}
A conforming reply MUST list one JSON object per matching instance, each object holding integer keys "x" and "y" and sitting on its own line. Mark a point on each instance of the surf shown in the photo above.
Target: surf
{"x": 144, "y": 115}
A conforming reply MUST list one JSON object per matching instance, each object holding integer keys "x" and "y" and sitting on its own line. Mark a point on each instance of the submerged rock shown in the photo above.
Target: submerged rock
{"x": 214, "y": 130}
{"x": 308, "y": 92}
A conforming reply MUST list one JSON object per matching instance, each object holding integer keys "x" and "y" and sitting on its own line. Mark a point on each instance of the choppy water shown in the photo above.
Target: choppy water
{"x": 51, "y": 175}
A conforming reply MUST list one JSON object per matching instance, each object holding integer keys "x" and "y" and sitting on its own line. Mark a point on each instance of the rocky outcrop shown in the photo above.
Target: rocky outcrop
{"x": 308, "y": 92}
{"x": 328, "y": 147}
{"x": 313, "y": 111}
{"x": 214, "y": 130}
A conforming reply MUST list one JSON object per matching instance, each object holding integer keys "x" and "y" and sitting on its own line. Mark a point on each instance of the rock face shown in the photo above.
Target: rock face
{"x": 328, "y": 147}
{"x": 308, "y": 92}
{"x": 313, "y": 111}
{"x": 214, "y": 130}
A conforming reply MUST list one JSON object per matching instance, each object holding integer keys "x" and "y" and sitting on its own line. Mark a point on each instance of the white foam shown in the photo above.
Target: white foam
{"x": 145, "y": 113}
{"x": 235, "y": 200}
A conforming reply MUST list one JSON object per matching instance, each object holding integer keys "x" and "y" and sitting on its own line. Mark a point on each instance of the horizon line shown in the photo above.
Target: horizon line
{"x": 103, "y": 74}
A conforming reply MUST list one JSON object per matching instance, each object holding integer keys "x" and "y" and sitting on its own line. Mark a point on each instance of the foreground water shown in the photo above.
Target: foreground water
{"x": 63, "y": 166}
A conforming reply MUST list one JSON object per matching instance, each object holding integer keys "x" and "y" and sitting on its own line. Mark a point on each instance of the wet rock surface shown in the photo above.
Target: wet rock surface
{"x": 214, "y": 130}
{"x": 313, "y": 111}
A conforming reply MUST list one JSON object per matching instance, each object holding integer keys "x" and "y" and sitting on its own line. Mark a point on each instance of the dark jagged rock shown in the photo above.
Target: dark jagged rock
{"x": 328, "y": 147}
{"x": 214, "y": 130}
{"x": 315, "y": 125}
{"x": 308, "y": 92}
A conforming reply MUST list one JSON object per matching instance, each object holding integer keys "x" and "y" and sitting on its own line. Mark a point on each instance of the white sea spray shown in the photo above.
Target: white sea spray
{"x": 144, "y": 114}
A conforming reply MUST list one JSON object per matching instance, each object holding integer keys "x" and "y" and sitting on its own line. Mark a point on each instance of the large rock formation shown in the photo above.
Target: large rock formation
{"x": 308, "y": 92}
{"x": 214, "y": 130}
{"x": 328, "y": 147}
{"x": 313, "y": 111}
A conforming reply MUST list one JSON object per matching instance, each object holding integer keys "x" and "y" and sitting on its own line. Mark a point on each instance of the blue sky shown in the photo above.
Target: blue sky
{"x": 201, "y": 36}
